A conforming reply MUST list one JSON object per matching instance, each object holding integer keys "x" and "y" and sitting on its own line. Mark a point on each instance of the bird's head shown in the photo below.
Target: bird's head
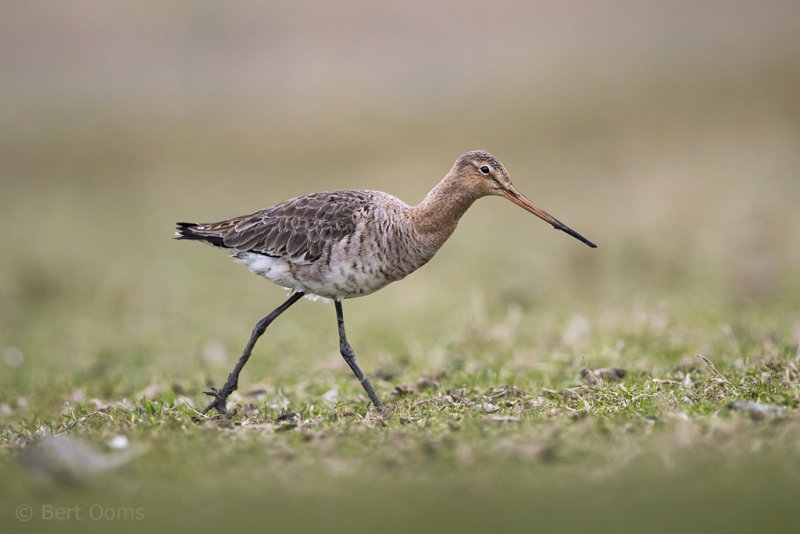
{"x": 483, "y": 174}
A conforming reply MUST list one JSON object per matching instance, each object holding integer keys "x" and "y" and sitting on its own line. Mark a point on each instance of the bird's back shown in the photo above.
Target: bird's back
{"x": 334, "y": 244}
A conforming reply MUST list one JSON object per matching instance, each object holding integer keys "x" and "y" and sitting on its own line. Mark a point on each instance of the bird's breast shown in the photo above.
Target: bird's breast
{"x": 382, "y": 249}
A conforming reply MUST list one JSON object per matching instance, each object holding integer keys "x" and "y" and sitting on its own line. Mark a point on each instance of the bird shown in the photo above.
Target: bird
{"x": 349, "y": 243}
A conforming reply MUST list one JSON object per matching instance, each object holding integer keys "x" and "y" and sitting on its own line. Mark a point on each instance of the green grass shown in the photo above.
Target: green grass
{"x": 108, "y": 327}
{"x": 474, "y": 447}
{"x": 490, "y": 426}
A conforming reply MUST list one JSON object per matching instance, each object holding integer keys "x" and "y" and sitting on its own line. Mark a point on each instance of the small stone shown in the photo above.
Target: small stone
{"x": 293, "y": 417}
{"x": 757, "y": 410}
{"x": 589, "y": 377}
{"x": 118, "y": 443}
{"x": 612, "y": 374}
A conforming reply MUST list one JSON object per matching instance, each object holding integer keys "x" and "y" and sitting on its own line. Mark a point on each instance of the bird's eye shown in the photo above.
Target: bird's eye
{"x": 485, "y": 169}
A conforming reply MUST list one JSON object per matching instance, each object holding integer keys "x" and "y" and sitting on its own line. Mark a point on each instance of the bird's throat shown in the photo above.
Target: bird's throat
{"x": 436, "y": 217}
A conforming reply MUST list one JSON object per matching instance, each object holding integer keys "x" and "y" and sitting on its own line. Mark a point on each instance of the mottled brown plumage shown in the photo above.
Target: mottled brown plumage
{"x": 349, "y": 243}
{"x": 297, "y": 229}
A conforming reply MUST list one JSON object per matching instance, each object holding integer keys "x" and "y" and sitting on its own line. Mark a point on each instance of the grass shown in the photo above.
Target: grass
{"x": 646, "y": 451}
{"x": 491, "y": 357}
{"x": 484, "y": 432}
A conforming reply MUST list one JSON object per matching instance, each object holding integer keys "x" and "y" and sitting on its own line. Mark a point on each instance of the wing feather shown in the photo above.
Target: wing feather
{"x": 299, "y": 229}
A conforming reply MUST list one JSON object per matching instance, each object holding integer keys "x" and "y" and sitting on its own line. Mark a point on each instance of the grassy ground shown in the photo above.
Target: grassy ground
{"x": 494, "y": 358}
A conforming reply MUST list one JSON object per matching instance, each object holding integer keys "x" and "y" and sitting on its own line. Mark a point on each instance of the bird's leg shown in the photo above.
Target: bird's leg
{"x": 221, "y": 395}
{"x": 350, "y": 358}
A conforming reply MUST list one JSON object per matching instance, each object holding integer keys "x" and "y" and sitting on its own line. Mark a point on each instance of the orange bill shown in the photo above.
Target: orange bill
{"x": 513, "y": 194}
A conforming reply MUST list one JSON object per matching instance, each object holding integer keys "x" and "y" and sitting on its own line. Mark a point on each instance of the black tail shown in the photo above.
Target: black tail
{"x": 187, "y": 230}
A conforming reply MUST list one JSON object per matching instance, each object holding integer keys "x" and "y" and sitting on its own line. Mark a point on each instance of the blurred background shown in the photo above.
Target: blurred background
{"x": 667, "y": 132}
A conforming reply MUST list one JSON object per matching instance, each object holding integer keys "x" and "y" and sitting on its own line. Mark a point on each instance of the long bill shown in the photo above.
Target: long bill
{"x": 512, "y": 194}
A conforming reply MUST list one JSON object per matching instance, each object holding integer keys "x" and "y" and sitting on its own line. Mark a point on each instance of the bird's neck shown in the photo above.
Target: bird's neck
{"x": 435, "y": 218}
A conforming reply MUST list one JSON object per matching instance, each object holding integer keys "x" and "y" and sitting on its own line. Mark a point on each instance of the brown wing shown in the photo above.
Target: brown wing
{"x": 298, "y": 228}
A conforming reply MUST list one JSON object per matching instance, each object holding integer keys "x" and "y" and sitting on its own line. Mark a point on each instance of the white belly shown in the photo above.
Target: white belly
{"x": 338, "y": 281}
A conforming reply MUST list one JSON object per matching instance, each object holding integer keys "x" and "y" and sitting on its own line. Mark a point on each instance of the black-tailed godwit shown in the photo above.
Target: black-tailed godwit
{"x": 349, "y": 243}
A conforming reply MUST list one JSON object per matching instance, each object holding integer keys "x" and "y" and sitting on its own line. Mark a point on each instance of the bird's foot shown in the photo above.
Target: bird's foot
{"x": 218, "y": 404}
